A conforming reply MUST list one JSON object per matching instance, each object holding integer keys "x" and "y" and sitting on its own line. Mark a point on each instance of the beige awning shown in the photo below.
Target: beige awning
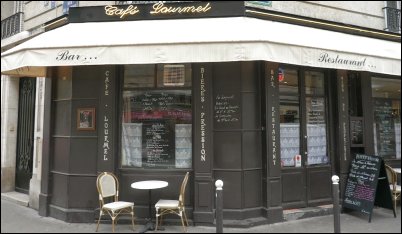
{"x": 199, "y": 40}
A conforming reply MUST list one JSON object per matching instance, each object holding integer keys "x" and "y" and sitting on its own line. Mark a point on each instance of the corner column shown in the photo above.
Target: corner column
{"x": 203, "y": 151}
{"x": 273, "y": 183}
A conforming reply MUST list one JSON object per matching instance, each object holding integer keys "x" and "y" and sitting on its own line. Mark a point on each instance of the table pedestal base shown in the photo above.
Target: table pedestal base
{"x": 149, "y": 225}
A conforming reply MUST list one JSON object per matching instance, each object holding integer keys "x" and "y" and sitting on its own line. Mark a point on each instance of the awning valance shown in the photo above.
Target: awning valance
{"x": 199, "y": 40}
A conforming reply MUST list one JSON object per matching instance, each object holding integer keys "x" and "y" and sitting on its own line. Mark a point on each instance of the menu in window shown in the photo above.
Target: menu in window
{"x": 356, "y": 130}
{"x": 161, "y": 105}
{"x": 316, "y": 131}
{"x": 158, "y": 142}
{"x": 385, "y": 131}
{"x": 316, "y": 111}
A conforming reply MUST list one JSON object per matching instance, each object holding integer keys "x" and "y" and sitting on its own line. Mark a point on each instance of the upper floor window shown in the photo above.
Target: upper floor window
{"x": 18, "y": 7}
{"x": 13, "y": 24}
{"x": 392, "y": 12}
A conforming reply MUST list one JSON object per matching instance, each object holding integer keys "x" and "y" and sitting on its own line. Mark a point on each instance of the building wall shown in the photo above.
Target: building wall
{"x": 364, "y": 14}
{"x": 359, "y": 13}
{"x": 75, "y": 153}
{"x": 35, "y": 183}
{"x": 67, "y": 180}
{"x": 7, "y": 9}
{"x": 38, "y": 13}
{"x": 9, "y": 119}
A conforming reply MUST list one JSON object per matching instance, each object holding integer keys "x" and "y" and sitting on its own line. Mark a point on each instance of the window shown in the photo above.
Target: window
{"x": 392, "y": 13}
{"x": 316, "y": 118}
{"x": 18, "y": 7}
{"x": 139, "y": 76}
{"x": 289, "y": 109}
{"x": 157, "y": 116}
{"x": 174, "y": 75}
{"x": 386, "y": 95}
{"x": 67, "y": 5}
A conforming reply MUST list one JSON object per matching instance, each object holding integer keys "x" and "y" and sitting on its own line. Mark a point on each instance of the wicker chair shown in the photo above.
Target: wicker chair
{"x": 108, "y": 189}
{"x": 395, "y": 189}
{"x": 177, "y": 207}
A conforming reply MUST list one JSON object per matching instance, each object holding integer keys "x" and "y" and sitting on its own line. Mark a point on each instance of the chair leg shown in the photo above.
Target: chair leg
{"x": 395, "y": 200}
{"x": 182, "y": 223}
{"x": 113, "y": 218}
{"x": 132, "y": 217}
{"x": 156, "y": 218}
{"x": 185, "y": 216}
{"x": 160, "y": 219}
{"x": 156, "y": 223}
{"x": 97, "y": 226}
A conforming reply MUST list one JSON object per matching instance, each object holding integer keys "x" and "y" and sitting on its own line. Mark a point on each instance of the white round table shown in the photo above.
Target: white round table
{"x": 149, "y": 184}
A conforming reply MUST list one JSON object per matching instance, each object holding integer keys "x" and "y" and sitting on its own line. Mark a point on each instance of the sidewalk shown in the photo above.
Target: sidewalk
{"x": 17, "y": 218}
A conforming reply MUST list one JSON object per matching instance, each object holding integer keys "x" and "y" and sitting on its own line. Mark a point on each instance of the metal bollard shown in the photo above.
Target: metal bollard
{"x": 335, "y": 194}
{"x": 219, "y": 206}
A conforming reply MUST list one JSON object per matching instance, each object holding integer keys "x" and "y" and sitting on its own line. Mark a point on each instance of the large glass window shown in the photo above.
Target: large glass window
{"x": 387, "y": 117}
{"x": 157, "y": 121}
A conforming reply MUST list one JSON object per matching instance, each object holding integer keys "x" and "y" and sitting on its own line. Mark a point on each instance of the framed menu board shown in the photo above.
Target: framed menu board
{"x": 384, "y": 126}
{"x": 157, "y": 142}
{"x": 367, "y": 185}
{"x": 357, "y": 131}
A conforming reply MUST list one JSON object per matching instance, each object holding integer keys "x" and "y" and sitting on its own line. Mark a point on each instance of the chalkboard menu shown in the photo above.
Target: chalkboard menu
{"x": 385, "y": 131}
{"x": 363, "y": 188}
{"x": 157, "y": 142}
{"x": 226, "y": 110}
{"x": 356, "y": 131}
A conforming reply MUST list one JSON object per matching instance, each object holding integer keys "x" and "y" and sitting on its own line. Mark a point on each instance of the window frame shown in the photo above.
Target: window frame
{"x": 155, "y": 87}
{"x": 375, "y": 143}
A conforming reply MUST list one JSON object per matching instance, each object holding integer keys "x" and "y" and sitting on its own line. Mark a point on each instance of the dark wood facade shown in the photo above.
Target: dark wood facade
{"x": 243, "y": 152}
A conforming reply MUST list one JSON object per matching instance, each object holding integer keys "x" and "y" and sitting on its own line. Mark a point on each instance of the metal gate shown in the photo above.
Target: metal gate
{"x": 25, "y": 134}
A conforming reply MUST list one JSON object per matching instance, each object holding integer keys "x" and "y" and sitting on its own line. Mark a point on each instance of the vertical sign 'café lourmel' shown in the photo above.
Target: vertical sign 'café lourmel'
{"x": 269, "y": 104}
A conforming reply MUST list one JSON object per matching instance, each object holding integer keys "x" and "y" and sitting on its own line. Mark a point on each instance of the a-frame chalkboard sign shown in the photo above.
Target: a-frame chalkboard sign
{"x": 367, "y": 185}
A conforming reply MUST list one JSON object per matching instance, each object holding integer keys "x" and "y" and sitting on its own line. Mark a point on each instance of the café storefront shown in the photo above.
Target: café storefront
{"x": 150, "y": 93}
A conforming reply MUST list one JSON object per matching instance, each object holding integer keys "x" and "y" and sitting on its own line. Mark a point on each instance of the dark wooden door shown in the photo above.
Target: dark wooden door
{"x": 304, "y": 133}
{"x": 25, "y": 134}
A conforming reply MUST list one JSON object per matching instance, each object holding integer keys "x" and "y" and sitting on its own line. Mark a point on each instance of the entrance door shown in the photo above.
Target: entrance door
{"x": 25, "y": 133}
{"x": 306, "y": 169}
